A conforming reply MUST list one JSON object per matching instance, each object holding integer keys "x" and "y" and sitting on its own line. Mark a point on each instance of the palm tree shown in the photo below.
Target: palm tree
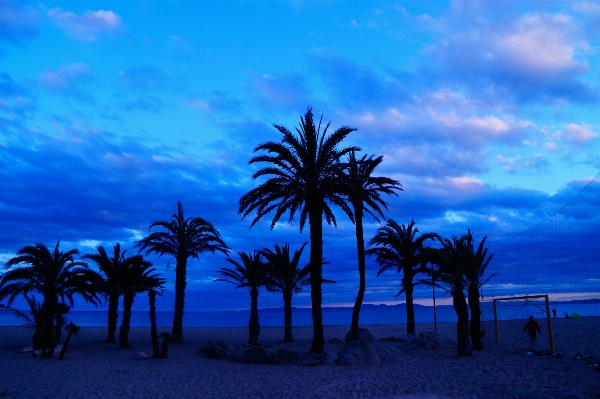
{"x": 56, "y": 276}
{"x": 398, "y": 247}
{"x": 303, "y": 177}
{"x": 475, "y": 264}
{"x": 251, "y": 274}
{"x": 137, "y": 277}
{"x": 36, "y": 318}
{"x": 288, "y": 278}
{"x": 364, "y": 193}
{"x": 59, "y": 311}
{"x": 183, "y": 238}
{"x": 451, "y": 272}
{"x": 111, "y": 268}
{"x": 155, "y": 287}
{"x": 71, "y": 329}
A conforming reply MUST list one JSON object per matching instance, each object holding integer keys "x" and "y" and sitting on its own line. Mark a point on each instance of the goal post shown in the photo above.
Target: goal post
{"x": 526, "y": 297}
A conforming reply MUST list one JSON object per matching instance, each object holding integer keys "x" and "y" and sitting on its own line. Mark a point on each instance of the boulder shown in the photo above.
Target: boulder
{"x": 363, "y": 333}
{"x": 217, "y": 350}
{"x": 257, "y": 355}
{"x": 358, "y": 353}
{"x": 336, "y": 341}
{"x": 285, "y": 356}
{"x": 141, "y": 356}
{"x": 326, "y": 358}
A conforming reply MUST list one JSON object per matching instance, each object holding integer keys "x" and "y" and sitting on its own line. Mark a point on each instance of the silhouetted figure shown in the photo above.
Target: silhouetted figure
{"x": 533, "y": 328}
{"x": 554, "y": 313}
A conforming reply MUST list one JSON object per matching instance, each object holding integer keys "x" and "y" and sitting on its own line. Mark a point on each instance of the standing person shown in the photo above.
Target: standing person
{"x": 533, "y": 328}
{"x": 554, "y": 312}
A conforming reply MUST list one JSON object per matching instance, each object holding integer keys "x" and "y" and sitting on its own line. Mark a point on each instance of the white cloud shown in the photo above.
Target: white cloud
{"x": 580, "y": 134}
{"x": 87, "y": 26}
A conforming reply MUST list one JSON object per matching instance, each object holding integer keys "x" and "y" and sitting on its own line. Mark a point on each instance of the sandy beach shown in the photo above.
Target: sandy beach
{"x": 96, "y": 369}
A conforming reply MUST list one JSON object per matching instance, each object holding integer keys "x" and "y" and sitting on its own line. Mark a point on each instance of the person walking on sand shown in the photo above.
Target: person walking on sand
{"x": 554, "y": 313}
{"x": 533, "y": 328}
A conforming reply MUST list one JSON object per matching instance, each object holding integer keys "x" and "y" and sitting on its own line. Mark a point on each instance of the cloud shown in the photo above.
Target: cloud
{"x": 580, "y": 134}
{"x": 538, "y": 56}
{"x": 217, "y": 101}
{"x": 17, "y": 22}
{"x": 86, "y": 27}
{"x": 150, "y": 104}
{"x": 289, "y": 92}
{"x": 146, "y": 77}
{"x": 67, "y": 80}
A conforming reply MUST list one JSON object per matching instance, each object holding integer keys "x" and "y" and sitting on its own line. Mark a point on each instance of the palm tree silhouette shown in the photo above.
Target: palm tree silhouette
{"x": 155, "y": 287}
{"x": 364, "y": 193}
{"x": 183, "y": 238}
{"x": 111, "y": 267}
{"x": 54, "y": 275}
{"x": 137, "y": 277}
{"x": 398, "y": 247}
{"x": 71, "y": 329}
{"x": 288, "y": 278}
{"x": 252, "y": 274}
{"x": 476, "y": 261}
{"x": 451, "y": 261}
{"x": 303, "y": 177}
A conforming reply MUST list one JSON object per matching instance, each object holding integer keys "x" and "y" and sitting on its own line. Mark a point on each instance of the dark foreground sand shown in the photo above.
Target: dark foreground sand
{"x": 96, "y": 369}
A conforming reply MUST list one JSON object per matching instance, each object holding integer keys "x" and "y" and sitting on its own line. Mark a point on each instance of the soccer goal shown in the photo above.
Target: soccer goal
{"x": 528, "y": 298}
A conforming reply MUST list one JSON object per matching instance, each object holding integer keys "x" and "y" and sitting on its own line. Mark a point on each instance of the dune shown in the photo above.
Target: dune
{"x": 96, "y": 369}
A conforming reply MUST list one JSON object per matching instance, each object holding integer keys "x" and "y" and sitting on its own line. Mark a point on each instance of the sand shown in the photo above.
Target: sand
{"x": 96, "y": 369}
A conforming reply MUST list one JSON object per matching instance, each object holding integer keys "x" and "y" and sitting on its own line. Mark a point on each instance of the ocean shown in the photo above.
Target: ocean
{"x": 273, "y": 317}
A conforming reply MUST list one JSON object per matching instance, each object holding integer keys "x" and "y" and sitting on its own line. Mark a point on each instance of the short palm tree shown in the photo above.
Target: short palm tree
{"x": 364, "y": 193}
{"x": 71, "y": 329}
{"x": 288, "y": 278}
{"x": 182, "y": 239}
{"x": 252, "y": 274}
{"x": 451, "y": 273}
{"x": 110, "y": 267}
{"x": 137, "y": 277}
{"x": 476, "y": 261}
{"x": 303, "y": 176}
{"x": 53, "y": 274}
{"x": 398, "y": 247}
{"x": 155, "y": 287}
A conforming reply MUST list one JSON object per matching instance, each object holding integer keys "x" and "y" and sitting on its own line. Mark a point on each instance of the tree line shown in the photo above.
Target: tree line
{"x": 306, "y": 175}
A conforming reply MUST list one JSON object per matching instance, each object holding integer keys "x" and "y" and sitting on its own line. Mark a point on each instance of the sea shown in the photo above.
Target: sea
{"x": 370, "y": 314}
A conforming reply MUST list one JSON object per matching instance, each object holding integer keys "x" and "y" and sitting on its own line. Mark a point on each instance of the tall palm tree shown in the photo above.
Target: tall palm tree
{"x": 111, "y": 267}
{"x": 364, "y": 193}
{"x": 303, "y": 177}
{"x": 155, "y": 287}
{"x": 53, "y": 274}
{"x": 182, "y": 239}
{"x": 476, "y": 261}
{"x": 398, "y": 247}
{"x": 288, "y": 278}
{"x": 137, "y": 277}
{"x": 451, "y": 273}
{"x": 252, "y": 274}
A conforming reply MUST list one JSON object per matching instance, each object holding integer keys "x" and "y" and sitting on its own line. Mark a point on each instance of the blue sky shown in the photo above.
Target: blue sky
{"x": 486, "y": 112}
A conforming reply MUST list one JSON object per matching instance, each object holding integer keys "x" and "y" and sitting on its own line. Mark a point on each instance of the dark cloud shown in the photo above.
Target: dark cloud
{"x": 17, "y": 22}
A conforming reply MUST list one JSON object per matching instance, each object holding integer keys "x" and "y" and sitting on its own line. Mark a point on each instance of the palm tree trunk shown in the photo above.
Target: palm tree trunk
{"x": 180, "y": 275}
{"x": 153, "y": 329}
{"x": 475, "y": 325}
{"x": 253, "y": 325}
{"x": 410, "y": 306}
{"x": 58, "y": 324}
{"x": 315, "y": 219}
{"x": 64, "y": 348}
{"x": 125, "y": 322}
{"x": 360, "y": 246}
{"x": 113, "y": 315}
{"x": 287, "y": 316}
{"x": 462, "y": 327}
{"x": 47, "y": 330}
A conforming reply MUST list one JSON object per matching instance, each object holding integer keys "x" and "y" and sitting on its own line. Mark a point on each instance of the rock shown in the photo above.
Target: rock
{"x": 285, "y": 356}
{"x": 27, "y": 349}
{"x": 363, "y": 333}
{"x": 336, "y": 341}
{"x": 257, "y": 355}
{"x": 358, "y": 353}
{"x": 141, "y": 356}
{"x": 390, "y": 339}
{"x": 325, "y": 358}
{"x": 217, "y": 350}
